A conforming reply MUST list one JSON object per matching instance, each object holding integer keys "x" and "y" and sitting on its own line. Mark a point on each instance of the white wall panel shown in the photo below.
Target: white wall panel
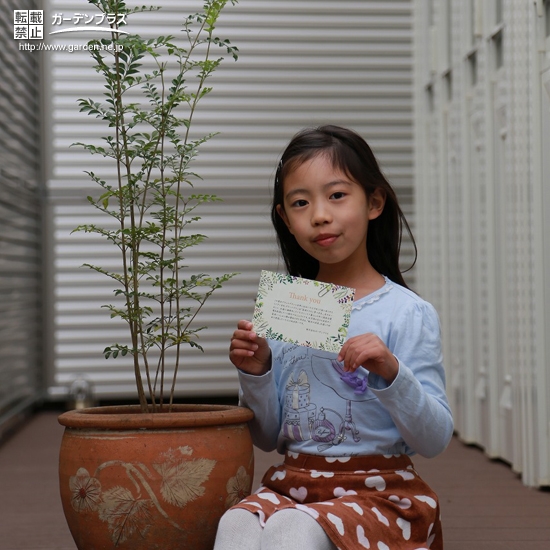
{"x": 21, "y": 383}
{"x": 489, "y": 175}
{"x": 301, "y": 63}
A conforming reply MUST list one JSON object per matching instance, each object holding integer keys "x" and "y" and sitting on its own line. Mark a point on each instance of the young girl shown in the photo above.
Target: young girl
{"x": 346, "y": 424}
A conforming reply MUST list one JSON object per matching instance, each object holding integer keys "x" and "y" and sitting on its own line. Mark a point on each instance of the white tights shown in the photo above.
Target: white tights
{"x": 288, "y": 529}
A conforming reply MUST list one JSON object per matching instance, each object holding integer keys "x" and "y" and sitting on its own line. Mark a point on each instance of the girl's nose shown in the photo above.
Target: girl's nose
{"x": 321, "y": 214}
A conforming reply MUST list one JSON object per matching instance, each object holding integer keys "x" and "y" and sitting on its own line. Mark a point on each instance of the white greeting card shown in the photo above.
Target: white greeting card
{"x": 302, "y": 311}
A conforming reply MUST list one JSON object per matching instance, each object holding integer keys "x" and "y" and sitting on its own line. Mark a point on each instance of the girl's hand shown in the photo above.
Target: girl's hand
{"x": 248, "y": 351}
{"x": 368, "y": 351}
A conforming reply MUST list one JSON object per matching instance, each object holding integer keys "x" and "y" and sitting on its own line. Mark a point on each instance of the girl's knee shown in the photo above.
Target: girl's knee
{"x": 238, "y": 529}
{"x": 289, "y": 519}
{"x": 291, "y": 528}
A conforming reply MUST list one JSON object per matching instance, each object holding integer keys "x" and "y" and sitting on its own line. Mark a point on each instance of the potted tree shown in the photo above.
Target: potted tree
{"x": 156, "y": 474}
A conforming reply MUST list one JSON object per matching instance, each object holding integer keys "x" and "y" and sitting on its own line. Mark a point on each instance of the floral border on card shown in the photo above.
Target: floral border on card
{"x": 342, "y": 294}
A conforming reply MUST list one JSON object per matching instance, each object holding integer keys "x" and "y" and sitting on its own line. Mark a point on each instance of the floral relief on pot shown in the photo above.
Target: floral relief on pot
{"x": 128, "y": 512}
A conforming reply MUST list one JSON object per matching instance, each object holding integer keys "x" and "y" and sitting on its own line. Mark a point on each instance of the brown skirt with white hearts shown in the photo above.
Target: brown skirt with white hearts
{"x": 375, "y": 502}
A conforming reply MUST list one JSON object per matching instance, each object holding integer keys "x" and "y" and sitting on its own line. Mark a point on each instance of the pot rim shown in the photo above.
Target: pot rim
{"x": 130, "y": 417}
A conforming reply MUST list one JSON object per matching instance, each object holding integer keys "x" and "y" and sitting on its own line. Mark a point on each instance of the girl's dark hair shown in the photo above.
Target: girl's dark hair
{"x": 349, "y": 153}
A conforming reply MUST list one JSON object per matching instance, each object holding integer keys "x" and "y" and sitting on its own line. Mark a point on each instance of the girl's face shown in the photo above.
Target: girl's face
{"x": 328, "y": 213}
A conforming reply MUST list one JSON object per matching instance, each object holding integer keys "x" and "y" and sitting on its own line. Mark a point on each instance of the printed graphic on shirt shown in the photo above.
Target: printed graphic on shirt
{"x": 319, "y": 399}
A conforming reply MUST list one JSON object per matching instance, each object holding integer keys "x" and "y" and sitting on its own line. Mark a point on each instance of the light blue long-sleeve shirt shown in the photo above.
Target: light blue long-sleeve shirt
{"x": 307, "y": 404}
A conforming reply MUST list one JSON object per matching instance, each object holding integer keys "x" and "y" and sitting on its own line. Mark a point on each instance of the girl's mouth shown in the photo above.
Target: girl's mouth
{"x": 325, "y": 240}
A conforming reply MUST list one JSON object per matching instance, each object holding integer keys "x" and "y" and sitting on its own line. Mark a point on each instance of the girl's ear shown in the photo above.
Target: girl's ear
{"x": 377, "y": 201}
{"x": 282, "y": 213}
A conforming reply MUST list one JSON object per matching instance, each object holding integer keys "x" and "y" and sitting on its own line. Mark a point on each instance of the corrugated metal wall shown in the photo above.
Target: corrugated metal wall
{"x": 301, "y": 63}
{"x": 20, "y": 221}
{"x": 481, "y": 144}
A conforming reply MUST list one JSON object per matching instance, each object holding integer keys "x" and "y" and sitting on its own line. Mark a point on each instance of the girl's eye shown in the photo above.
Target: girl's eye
{"x": 299, "y": 202}
{"x": 338, "y": 195}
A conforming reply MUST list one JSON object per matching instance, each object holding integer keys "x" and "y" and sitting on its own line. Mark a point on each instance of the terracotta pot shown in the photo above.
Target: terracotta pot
{"x": 143, "y": 481}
